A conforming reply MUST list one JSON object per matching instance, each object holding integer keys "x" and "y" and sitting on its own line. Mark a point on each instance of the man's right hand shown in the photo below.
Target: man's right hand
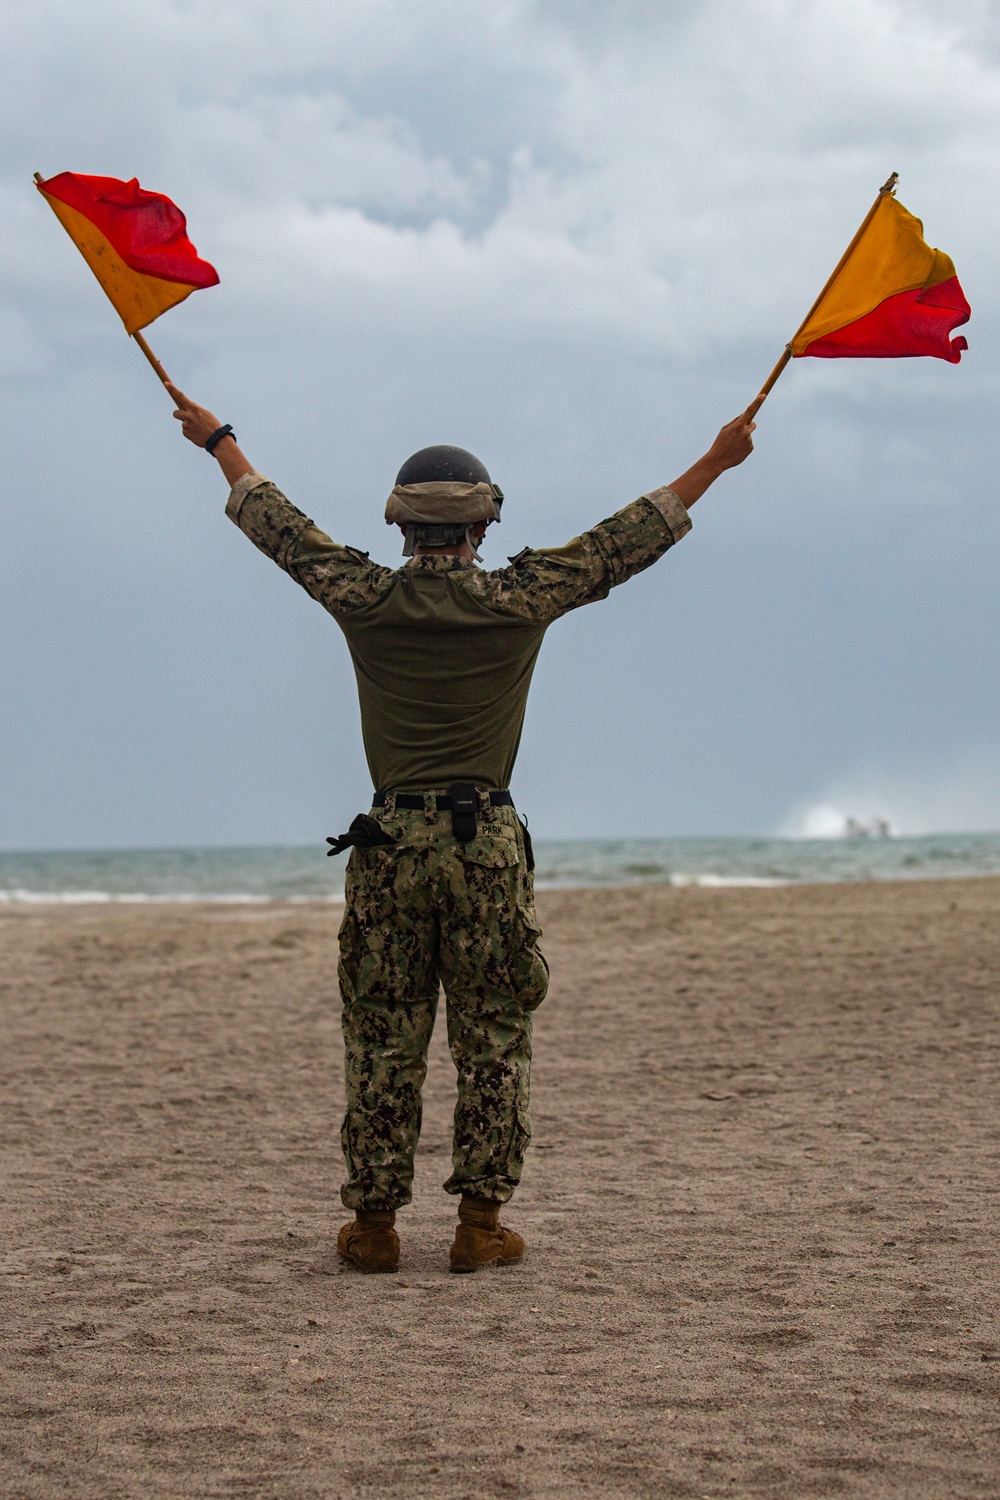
{"x": 197, "y": 423}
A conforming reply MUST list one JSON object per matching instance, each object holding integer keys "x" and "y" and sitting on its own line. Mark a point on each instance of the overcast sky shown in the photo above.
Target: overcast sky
{"x": 573, "y": 236}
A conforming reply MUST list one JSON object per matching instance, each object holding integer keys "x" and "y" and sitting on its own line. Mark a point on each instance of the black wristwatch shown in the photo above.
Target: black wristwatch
{"x": 217, "y": 436}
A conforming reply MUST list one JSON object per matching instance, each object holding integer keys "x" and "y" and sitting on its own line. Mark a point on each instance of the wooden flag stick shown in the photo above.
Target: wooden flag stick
{"x": 888, "y": 187}
{"x": 147, "y": 351}
{"x": 765, "y": 390}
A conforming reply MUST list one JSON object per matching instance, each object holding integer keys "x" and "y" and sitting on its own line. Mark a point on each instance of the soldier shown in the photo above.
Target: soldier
{"x": 439, "y": 887}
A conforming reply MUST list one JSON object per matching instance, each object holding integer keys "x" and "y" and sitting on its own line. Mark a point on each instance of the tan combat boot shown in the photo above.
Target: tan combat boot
{"x": 481, "y": 1240}
{"x": 370, "y": 1243}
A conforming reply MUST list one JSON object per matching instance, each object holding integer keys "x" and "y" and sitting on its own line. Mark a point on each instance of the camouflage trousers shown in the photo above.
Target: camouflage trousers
{"x": 428, "y": 913}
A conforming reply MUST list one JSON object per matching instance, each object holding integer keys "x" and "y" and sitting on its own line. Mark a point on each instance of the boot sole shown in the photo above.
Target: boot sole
{"x": 367, "y": 1270}
{"x": 461, "y": 1269}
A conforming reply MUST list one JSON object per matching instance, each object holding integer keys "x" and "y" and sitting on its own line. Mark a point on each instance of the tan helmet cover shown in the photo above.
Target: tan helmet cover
{"x": 442, "y": 502}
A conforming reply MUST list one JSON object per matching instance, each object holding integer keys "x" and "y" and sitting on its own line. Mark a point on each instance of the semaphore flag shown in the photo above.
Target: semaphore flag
{"x": 134, "y": 241}
{"x": 894, "y": 297}
{"x": 890, "y": 296}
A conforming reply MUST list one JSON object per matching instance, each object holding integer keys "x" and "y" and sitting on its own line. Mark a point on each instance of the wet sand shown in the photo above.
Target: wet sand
{"x": 761, "y": 1211}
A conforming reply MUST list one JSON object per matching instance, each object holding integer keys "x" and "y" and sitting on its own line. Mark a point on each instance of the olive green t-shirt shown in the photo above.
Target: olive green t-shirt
{"x": 443, "y": 651}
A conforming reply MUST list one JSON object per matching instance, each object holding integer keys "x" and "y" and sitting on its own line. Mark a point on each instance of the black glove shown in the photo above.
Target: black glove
{"x": 365, "y": 832}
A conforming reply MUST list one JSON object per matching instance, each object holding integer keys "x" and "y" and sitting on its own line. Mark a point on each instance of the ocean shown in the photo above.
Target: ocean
{"x": 297, "y": 873}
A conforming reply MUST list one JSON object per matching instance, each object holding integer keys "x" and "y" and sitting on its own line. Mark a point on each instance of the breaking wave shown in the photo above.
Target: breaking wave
{"x": 252, "y": 876}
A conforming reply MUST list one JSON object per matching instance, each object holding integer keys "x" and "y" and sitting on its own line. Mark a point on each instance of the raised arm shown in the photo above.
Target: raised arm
{"x": 340, "y": 578}
{"x": 733, "y": 444}
{"x": 198, "y": 424}
{"x": 544, "y": 584}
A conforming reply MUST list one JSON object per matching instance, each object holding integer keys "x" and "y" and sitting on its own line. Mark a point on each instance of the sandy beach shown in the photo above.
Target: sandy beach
{"x": 761, "y": 1212}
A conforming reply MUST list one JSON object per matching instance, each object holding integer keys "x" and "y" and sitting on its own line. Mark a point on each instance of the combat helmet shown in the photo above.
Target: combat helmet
{"x": 441, "y": 494}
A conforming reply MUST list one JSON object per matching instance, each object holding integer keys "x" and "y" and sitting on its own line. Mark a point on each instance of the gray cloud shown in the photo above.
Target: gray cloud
{"x": 573, "y": 237}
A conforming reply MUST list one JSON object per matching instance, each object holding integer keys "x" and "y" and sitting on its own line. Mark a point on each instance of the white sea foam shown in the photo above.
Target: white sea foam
{"x": 299, "y": 876}
{"x": 960, "y": 793}
{"x": 170, "y": 898}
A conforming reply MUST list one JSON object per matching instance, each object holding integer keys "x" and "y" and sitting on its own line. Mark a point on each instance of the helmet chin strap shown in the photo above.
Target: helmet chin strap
{"x": 410, "y": 540}
{"x": 473, "y": 544}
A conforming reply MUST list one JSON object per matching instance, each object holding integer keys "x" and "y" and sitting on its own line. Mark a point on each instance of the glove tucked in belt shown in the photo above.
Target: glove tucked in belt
{"x": 461, "y": 800}
{"x": 365, "y": 833}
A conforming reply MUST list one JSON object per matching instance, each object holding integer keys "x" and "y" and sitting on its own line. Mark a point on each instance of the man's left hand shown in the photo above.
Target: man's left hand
{"x": 733, "y": 444}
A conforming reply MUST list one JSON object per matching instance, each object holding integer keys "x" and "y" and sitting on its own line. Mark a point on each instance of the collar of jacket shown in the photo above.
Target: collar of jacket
{"x": 430, "y": 562}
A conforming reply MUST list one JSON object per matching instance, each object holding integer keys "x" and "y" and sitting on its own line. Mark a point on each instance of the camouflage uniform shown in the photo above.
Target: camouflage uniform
{"x": 429, "y": 910}
{"x": 443, "y": 653}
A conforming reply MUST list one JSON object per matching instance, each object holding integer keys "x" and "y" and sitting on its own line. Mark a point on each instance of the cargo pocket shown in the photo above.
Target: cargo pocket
{"x": 495, "y": 901}
{"x": 503, "y": 1173}
{"x": 349, "y": 944}
{"x": 519, "y": 1145}
{"x": 530, "y": 968}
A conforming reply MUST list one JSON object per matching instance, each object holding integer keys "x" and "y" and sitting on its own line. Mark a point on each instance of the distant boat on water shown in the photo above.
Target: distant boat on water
{"x": 877, "y": 828}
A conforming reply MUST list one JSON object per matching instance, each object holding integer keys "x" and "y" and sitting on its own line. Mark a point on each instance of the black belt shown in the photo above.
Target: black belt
{"x": 462, "y": 800}
{"x": 413, "y": 801}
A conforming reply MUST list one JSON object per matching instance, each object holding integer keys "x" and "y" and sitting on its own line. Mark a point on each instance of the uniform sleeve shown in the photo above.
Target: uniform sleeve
{"x": 339, "y": 578}
{"x": 542, "y": 585}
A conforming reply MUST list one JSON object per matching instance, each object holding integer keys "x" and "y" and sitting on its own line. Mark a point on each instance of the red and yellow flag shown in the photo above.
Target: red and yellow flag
{"x": 134, "y": 241}
{"x": 893, "y": 297}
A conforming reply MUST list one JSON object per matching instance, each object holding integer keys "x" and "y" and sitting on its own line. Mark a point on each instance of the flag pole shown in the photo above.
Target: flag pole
{"x": 147, "y": 351}
{"x": 886, "y": 190}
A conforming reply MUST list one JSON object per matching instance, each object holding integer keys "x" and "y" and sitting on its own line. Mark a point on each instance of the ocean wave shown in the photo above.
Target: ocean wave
{"x": 288, "y": 875}
{"x": 145, "y": 898}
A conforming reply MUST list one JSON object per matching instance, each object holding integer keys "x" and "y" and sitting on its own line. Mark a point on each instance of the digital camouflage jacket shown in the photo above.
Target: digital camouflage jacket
{"x": 443, "y": 650}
